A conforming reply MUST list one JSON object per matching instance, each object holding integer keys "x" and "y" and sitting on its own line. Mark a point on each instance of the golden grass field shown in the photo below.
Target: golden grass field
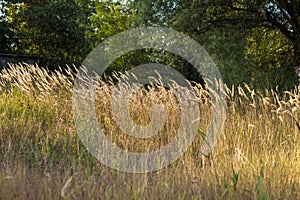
{"x": 41, "y": 157}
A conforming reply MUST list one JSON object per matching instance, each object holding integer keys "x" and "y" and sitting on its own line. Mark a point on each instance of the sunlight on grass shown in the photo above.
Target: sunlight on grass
{"x": 256, "y": 157}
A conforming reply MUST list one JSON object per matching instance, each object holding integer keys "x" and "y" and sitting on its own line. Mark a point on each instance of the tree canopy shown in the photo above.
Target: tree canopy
{"x": 53, "y": 31}
{"x": 251, "y": 41}
{"x": 257, "y": 42}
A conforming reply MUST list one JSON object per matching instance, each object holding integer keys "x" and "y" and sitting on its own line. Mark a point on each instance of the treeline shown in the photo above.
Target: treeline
{"x": 257, "y": 42}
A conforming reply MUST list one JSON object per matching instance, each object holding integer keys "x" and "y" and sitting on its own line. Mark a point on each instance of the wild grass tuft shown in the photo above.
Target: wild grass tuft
{"x": 41, "y": 156}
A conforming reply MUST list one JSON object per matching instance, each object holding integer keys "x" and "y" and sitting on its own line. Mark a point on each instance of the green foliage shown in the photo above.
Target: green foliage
{"x": 262, "y": 195}
{"x": 153, "y": 13}
{"x": 234, "y": 178}
{"x": 226, "y": 48}
{"x": 108, "y": 20}
{"x": 267, "y": 54}
{"x": 5, "y": 32}
{"x": 52, "y": 31}
{"x": 227, "y": 29}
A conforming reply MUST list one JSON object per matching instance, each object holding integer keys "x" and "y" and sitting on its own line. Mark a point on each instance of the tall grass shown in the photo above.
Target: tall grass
{"x": 41, "y": 156}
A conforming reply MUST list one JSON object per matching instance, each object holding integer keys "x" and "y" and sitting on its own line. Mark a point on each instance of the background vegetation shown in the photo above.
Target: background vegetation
{"x": 256, "y": 42}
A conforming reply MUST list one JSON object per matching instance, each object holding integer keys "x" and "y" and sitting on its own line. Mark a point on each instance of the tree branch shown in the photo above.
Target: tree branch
{"x": 278, "y": 25}
{"x": 288, "y": 16}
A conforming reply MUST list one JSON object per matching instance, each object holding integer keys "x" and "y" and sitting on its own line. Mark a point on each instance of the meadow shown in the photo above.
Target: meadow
{"x": 41, "y": 156}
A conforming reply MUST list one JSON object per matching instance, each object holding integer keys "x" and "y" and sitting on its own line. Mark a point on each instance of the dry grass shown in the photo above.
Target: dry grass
{"x": 41, "y": 156}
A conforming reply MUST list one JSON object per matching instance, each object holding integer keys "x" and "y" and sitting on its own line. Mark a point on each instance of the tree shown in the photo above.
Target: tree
{"x": 275, "y": 15}
{"x": 5, "y": 32}
{"x": 237, "y": 20}
{"x": 267, "y": 54}
{"x": 152, "y": 13}
{"x": 109, "y": 19}
{"x": 52, "y": 31}
{"x": 284, "y": 15}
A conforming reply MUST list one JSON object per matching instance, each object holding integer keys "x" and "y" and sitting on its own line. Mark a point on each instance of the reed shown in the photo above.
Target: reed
{"x": 256, "y": 157}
